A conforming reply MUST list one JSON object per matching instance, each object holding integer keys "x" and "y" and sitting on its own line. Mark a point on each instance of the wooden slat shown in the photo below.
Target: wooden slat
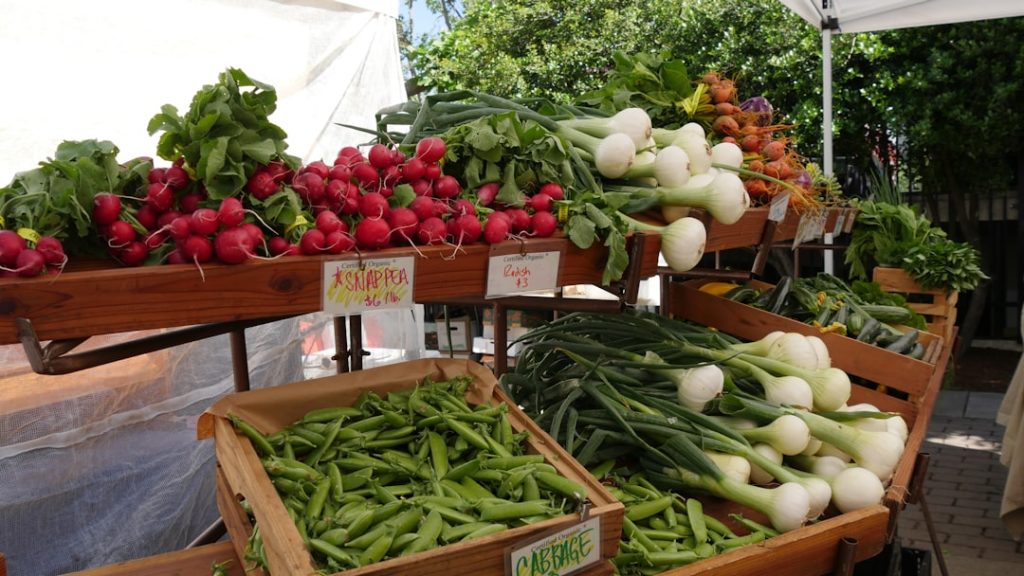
{"x": 108, "y": 300}
{"x": 180, "y": 563}
{"x": 857, "y": 358}
{"x": 810, "y": 550}
{"x": 746, "y": 232}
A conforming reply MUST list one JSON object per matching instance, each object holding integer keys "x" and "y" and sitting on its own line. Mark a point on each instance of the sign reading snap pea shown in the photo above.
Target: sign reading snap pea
{"x": 561, "y": 553}
{"x": 354, "y": 287}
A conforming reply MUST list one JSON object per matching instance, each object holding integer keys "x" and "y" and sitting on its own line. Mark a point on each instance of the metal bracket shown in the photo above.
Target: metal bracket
{"x": 846, "y": 556}
{"x": 55, "y": 358}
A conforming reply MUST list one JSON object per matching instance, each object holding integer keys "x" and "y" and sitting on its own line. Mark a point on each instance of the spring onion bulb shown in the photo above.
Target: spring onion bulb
{"x": 670, "y": 168}
{"x": 633, "y": 122}
{"x": 728, "y": 154}
{"x": 787, "y": 434}
{"x": 666, "y": 137}
{"x": 722, "y": 195}
{"x": 831, "y": 386}
{"x": 734, "y": 423}
{"x": 824, "y": 359}
{"x": 682, "y": 241}
{"x": 855, "y": 488}
{"x": 759, "y": 475}
{"x": 671, "y": 213}
{"x": 826, "y": 467}
{"x": 735, "y": 467}
{"x": 787, "y": 390}
{"x": 614, "y": 155}
{"x": 796, "y": 350}
{"x": 812, "y": 447}
{"x": 697, "y": 149}
{"x": 759, "y": 347}
{"x": 898, "y": 427}
{"x": 695, "y": 387}
{"x": 829, "y": 450}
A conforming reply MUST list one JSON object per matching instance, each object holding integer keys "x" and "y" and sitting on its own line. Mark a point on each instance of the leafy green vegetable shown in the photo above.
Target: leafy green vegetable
{"x": 944, "y": 264}
{"x": 225, "y": 134}
{"x": 56, "y": 198}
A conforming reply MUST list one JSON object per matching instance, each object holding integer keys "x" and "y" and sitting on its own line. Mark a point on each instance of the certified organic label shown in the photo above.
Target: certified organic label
{"x": 561, "y": 553}
{"x": 516, "y": 273}
{"x": 777, "y": 211}
{"x": 354, "y": 287}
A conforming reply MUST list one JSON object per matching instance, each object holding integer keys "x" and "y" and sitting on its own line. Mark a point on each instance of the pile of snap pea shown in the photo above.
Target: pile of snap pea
{"x": 392, "y": 476}
{"x": 663, "y": 530}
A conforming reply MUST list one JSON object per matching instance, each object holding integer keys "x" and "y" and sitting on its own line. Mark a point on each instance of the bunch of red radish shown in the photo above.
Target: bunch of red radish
{"x": 18, "y": 259}
{"x": 355, "y": 205}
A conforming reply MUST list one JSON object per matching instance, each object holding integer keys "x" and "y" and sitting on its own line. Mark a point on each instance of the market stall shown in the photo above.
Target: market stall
{"x": 478, "y": 200}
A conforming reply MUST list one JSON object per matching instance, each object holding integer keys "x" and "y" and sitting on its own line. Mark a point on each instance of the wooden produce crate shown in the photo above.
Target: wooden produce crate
{"x": 813, "y": 549}
{"x": 937, "y": 306}
{"x": 270, "y": 409}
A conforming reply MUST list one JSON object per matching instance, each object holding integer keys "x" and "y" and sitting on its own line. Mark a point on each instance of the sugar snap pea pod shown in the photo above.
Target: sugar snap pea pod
{"x": 289, "y": 486}
{"x": 754, "y": 526}
{"x": 388, "y": 442}
{"x": 337, "y": 485}
{"x": 467, "y": 433}
{"x": 717, "y": 526}
{"x": 371, "y": 423}
{"x": 633, "y": 533}
{"x": 505, "y": 425}
{"x": 463, "y": 470}
{"x": 502, "y": 512}
{"x": 334, "y": 536}
{"x": 649, "y": 508}
{"x": 259, "y": 441}
{"x": 509, "y": 462}
{"x": 332, "y": 551}
{"x": 394, "y": 419}
{"x": 361, "y": 523}
{"x": 496, "y": 447}
{"x": 455, "y": 532}
{"x": 656, "y": 522}
{"x": 329, "y": 414}
{"x": 374, "y": 552}
{"x": 313, "y": 439}
{"x": 387, "y": 511}
{"x": 531, "y": 491}
{"x": 316, "y": 502}
{"x": 488, "y": 475}
{"x": 332, "y": 432}
{"x": 357, "y": 479}
{"x": 485, "y": 531}
{"x": 276, "y": 467}
{"x": 287, "y": 450}
{"x": 475, "y": 488}
{"x": 695, "y": 511}
{"x": 292, "y": 463}
{"x": 402, "y": 542}
{"x": 660, "y": 534}
{"x": 659, "y": 559}
{"x": 562, "y": 485}
{"x": 449, "y": 514}
{"x": 438, "y": 453}
{"x": 752, "y": 538}
{"x": 400, "y": 432}
{"x": 428, "y": 534}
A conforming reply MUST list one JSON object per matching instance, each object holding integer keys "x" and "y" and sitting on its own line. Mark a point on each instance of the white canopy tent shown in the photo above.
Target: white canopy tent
{"x": 838, "y": 16}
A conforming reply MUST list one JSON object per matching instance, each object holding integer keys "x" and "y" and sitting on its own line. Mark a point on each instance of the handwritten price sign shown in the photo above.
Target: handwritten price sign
{"x": 564, "y": 552}
{"x": 515, "y": 273}
{"x": 351, "y": 287}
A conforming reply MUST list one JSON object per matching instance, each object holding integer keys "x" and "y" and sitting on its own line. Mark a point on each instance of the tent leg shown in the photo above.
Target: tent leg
{"x": 826, "y": 104}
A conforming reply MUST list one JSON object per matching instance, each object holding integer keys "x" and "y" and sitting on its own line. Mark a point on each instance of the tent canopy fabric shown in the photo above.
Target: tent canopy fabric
{"x": 875, "y": 15}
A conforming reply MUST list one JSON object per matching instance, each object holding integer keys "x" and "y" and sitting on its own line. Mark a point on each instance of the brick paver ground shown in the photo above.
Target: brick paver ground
{"x": 963, "y": 490}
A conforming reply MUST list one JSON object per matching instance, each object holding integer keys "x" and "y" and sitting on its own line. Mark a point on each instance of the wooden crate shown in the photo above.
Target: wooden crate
{"x": 270, "y": 409}
{"x": 937, "y": 306}
{"x": 813, "y": 549}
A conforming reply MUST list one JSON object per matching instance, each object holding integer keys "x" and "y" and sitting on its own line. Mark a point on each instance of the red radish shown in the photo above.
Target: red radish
{"x": 432, "y": 172}
{"x": 374, "y": 205}
{"x": 317, "y": 167}
{"x": 10, "y": 246}
{"x": 467, "y": 229}
{"x": 106, "y": 208}
{"x": 447, "y": 187}
{"x": 154, "y": 240}
{"x": 328, "y": 222}
{"x": 413, "y": 169}
{"x": 552, "y": 189}
{"x": 350, "y": 205}
{"x": 197, "y": 249}
{"x": 166, "y": 218}
{"x": 424, "y": 207}
{"x": 176, "y": 257}
{"x": 348, "y": 156}
{"x": 133, "y": 254}
{"x": 157, "y": 176}
{"x": 52, "y": 250}
{"x": 485, "y": 194}
{"x": 261, "y": 185}
{"x": 430, "y": 149}
{"x": 397, "y": 157}
{"x": 379, "y": 156}
{"x": 372, "y": 233}
{"x": 431, "y": 231}
{"x": 160, "y": 197}
{"x": 233, "y": 245}
{"x": 180, "y": 228}
{"x": 310, "y": 187}
{"x": 340, "y": 172}
{"x": 189, "y": 202}
{"x": 204, "y": 222}
{"x": 176, "y": 177}
{"x": 519, "y": 219}
{"x": 496, "y": 229}
{"x": 148, "y": 217}
{"x": 254, "y": 232}
{"x": 392, "y": 175}
{"x": 386, "y": 192}
{"x": 279, "y": 171}
{"x": 365, "y": 174}
{"x": 335, "y": 192}
{"x": 313, "y": 242}
{"x": 463, "y": 206}
{"x": 29, "y": 263}
{"x": 422, "y": 188}
{"x": 543, "y": 224}
{"x": 277, "y": 245}
{"x": 120, "y": 234}
{"x": 540, "y": 203}
{"x": 339, "y": 242}
{"x": 230, "y": 213}
{"x": 403, "y": 222}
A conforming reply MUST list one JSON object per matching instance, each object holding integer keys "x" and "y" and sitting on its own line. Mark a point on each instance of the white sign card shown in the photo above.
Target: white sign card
{"x": 777, "y": 211}
{"x": 509, "y": 274}
{"x": 564, "y": 552}
{"x": 354, "y": 286}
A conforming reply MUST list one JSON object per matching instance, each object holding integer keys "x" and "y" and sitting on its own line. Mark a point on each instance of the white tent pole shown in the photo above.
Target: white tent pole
{"x": 826, "y": 105}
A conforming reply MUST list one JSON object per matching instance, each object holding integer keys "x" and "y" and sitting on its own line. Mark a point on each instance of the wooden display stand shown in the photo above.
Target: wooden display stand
{"x": 937, "y": 306}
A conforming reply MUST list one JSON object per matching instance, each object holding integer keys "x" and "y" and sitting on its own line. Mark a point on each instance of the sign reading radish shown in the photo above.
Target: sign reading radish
{"x": 515, "y": 273}
{"x": 354, "y": 287}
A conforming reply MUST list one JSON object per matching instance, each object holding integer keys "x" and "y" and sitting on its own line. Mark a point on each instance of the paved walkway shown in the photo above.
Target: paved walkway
{"x": 964, "y": 488}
